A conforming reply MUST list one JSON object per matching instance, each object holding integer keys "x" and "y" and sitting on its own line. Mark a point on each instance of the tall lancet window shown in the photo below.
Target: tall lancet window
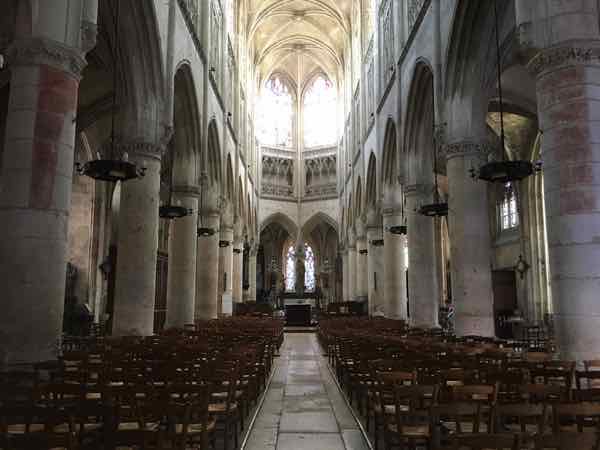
{"x": 309, "y": 266}
{"x": 320, "y": 101}
{"x": 290, "y": 270}
{"x": 275, "y": 114}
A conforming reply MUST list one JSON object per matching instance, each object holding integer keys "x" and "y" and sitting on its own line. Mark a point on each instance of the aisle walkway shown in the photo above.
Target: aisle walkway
{"x": 303, "y": 408}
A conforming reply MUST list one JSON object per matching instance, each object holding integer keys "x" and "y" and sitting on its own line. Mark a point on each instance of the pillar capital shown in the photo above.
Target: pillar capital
{"x": 39, "y": 51}
{"x": 470, "y": 148}
{"x": 134, "y": 149}
{"x": 570, "y": 54}
{"x": 390, "y": 210}
{"x": 192, "y": 191}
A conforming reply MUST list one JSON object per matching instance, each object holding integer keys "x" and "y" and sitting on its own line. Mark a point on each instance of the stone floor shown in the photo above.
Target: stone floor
{"x": 303, "y": 408}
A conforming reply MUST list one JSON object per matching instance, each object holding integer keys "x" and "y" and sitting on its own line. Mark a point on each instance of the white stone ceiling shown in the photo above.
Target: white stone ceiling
{"x": 299, "y": 37}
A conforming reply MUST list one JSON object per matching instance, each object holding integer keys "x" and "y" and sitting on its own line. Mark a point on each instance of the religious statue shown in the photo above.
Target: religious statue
{"x": 300, "y": 270}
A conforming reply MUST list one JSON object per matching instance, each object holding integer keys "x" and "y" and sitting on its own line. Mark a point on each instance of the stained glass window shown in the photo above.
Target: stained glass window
{"x": 309, "y": 266}
{"x": 509, "y": 214}
{"x": 320, "y": 113}
{"x": 290, "y": 270}
{"x": 275, "y": 115}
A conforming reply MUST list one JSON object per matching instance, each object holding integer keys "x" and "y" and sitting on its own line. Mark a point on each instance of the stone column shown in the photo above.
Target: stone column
{"x": 423, "y": 294}
{"x": 470, "y": 241}
{"x": 181, "y": 280}
{"x": 135, "y": 287}
{"x": 35, "y": 198}
{"x": 394, "y": 266}
{"x": 352, "y": 272}
{"x": 568, "y": 105}
{"x": 238, "y": 267}
{"x": 345, "y": 275}
{"x": 376, "y": 268}
{"x": 207, "y": 270}
{"x": 362, "y": 269}
{"x": 225, "y": 265}
{"x": 252, "y": 273}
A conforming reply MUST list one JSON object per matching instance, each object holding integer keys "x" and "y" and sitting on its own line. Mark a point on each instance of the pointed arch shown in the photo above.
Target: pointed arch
{"x": 419, "y": 121}
{"x": 371, "y": 188}
{"x": 282, "y": 219}
{"x": 358, "y": 198}
{"x": 212, "y": 165}
{"x": 389, "y": 166}
{"x": 229, "y": 188}
{"x": 315, "y": 219}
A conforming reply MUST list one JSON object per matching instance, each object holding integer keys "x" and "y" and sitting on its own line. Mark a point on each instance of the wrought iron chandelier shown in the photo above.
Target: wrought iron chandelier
{"x": 400, "y": 229}
{"x": 202, "y": 230}
{"x": 110, "y": 169}
{"x": 503, "y": 171}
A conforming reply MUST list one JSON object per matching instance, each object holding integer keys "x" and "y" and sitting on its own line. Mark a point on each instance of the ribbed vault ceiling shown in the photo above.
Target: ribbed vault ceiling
{"x": 299, "y": 37}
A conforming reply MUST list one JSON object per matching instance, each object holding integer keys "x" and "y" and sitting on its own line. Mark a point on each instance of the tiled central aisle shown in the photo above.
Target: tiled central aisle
{"x": 303, "y": 408}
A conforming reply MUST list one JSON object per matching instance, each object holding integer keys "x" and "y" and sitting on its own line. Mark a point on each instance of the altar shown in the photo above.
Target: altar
{"x": 298, "y": 311}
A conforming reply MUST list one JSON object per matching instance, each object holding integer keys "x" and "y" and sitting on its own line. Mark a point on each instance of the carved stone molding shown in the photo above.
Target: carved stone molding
{"x": 89, "y": 35}
{"x": 468, "y": 148}
{"x": 186, "y": 190}
{"x": 556, "y": 57}
{"x": 138, "y": 149}
{"x": 38, "y": 51}
{"x": 391, "y": 210}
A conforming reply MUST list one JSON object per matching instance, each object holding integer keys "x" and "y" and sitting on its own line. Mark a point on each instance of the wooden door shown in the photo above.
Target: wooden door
{"x": 504, "y": 285}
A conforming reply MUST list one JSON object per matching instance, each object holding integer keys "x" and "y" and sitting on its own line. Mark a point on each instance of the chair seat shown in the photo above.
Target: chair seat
{"x": 411, "y": 431}
{"x": 217, "y": 408}
{"x": 135, "y": 426}
{"x": 20, "y": 428}
{"x": 196, "y": 428}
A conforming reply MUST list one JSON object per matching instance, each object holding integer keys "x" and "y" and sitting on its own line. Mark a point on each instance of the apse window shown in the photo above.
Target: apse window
{"x": 309, "y": 269}
{"x": 290, "y": 270}
{"x": 509, "y": 213}
{"x": 275, "y": 115}
{"x": 320, "y": 112}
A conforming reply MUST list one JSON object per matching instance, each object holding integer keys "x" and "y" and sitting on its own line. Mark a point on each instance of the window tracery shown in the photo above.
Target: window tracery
{"x": 509, "y": 213}
{"x": 275, "y": 114}
{"x": 319, "y": 113}
{"x": 309, "y": 269}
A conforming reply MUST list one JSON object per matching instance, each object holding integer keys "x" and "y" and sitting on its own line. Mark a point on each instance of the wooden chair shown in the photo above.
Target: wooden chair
{"x": 189, "y": 423}
{"x": 567, "y": 441}
{"x": 521, "y": 418}
{"x": 410, "y": 426}
{"x": 482, "y": 441}
{"x": 583, "y": 416}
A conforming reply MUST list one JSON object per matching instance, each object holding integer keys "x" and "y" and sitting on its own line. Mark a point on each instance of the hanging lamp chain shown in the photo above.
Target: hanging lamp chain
{"x": 115, "y": 77}
{"x": 499, "y": 69}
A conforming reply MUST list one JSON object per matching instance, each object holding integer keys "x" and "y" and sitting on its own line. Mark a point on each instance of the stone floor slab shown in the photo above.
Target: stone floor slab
{"x": 304, "y": 441}
{"x": 309, "y": 422}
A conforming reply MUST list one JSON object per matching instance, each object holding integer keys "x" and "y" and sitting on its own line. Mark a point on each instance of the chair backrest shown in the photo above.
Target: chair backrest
{"x": 527, "y": 417}
{"x": 567, "y": 441}
{"x": 483, "y": 441}
{"x": 584, "y": 415}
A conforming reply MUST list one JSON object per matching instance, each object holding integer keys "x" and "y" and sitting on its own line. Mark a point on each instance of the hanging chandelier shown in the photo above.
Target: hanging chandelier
{"x": 111, "y": 169}
{"x": 175, "y": 211}
{"x": 438, "y": 208}
{"x": 400, "y": 229}
{"x": 202, "y": 230}
{"x": 503, "y": 171}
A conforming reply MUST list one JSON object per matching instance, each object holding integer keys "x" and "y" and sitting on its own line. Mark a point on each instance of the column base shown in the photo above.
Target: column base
{"x": 474, "y": 326}
{"x": 578, "y": 336}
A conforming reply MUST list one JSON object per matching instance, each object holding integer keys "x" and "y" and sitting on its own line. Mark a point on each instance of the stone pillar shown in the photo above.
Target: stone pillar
{"x": 137, "y": 247}
{"x": 394, "y": 266}
{"x": 238, "y": 268}
{"x": 225, "y": 265}
{"x": 345, "y": 275}
{"x": 423, "y": 294}
{"x": 352, "y": 273}
{"x": 181, "y": 280}
{"x": 207, "y": 270}
{"x": 568, "y": 105}
{"x": 362, "y": 269}
{"x": 35, "y": 198}
{"x": 252, "y": 273}
{"x": 470, "y": 241}
{"x": 376, "y": 268}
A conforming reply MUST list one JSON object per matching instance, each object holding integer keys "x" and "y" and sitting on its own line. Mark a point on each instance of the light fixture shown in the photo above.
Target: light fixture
{"x": 202, "y": 230}
{"x": 237, "y": 250}
{"x": 172, "y": 210}
{"x": 224, "y": 244}
{"x": 438, "y": 208}
{"x": 398, "y": 229}
{"x": 504, "y": 171}
{"x": 377, "y": 242}
{"x": 109, "y": 169}
{"x": 522, "y": 266}
{"x": 364, "y": 251}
